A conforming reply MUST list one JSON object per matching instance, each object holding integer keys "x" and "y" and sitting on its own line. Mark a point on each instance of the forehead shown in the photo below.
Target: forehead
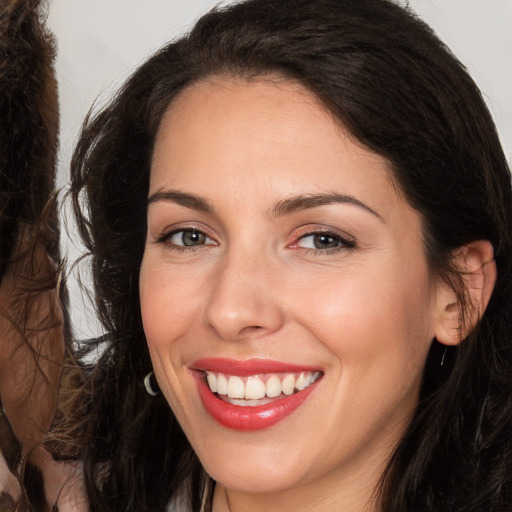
{"x": 268, "y": 134}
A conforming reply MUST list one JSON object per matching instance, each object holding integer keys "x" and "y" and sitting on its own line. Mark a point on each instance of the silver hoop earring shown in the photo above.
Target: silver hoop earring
{"x": 148, "y": 386}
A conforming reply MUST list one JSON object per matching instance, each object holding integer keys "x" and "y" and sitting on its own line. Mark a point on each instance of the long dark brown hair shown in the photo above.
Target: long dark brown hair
{"x": 29, "y": 126}
{"x": 29, "y": 236}
{"x": 403, "y": 95}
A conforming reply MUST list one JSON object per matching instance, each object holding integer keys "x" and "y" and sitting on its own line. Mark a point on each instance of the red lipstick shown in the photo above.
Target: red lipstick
{"x": 249, "y": 367}
{"x": 249, "y": 418}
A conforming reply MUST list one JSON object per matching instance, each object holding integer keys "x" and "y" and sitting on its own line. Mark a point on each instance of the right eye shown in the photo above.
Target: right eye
{"x": 184, "y": 238}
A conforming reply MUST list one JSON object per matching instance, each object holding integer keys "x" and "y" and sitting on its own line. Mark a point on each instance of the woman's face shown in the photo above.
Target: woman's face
{"x": 280, "y": 260}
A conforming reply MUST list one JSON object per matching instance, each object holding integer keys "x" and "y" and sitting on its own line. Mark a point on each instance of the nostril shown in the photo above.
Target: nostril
{"x": 252, "y": 331}
{"x": 252, "y": 328}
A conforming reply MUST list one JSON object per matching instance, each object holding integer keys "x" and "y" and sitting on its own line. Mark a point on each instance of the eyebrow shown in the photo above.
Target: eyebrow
{"x": 183, "y": 199}
{"x": 303, "y": 202}
{"x": 281, "y": 208}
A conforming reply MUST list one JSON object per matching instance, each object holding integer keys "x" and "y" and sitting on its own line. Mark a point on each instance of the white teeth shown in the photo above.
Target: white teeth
{"x": 236, "y": 387}
{"x": 254, "y": 387}
{"x": 212, "y": 381}
{"x": 288, "y": 384}
{"x": 273, "y": 387}
{"x": 222, "y": 385}
{"x": 302, "y": 382}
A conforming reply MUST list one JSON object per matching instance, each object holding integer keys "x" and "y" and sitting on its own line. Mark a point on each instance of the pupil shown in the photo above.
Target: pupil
{"x": 325, "y": 242}
{"x": 193, "y": 238}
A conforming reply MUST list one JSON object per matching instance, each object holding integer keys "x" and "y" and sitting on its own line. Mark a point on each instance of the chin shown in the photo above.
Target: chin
{"x": 257, "y": 469}
{"x": 256, "y": 480}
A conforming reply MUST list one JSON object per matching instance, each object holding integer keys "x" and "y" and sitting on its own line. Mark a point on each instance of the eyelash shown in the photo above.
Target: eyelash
{"x": 344, "y": 243}
{"x": 165, "y": 239}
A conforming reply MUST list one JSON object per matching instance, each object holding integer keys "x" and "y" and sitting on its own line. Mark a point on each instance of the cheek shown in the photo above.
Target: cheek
{"x": 166, "y": 315}
{"x": 378, "y": 332}
{"x": 371, "y": 315}
{"x": 168, "y": 304}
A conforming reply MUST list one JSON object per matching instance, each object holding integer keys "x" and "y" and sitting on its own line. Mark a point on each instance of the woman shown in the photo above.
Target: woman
{"x": 299, "y": 219}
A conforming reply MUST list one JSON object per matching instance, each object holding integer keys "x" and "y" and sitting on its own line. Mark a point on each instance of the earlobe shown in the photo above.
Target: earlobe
{"x": 475, "y": 262}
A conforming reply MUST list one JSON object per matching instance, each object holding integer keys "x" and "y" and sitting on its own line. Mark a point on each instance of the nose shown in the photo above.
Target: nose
{"x": 243, "y": 302}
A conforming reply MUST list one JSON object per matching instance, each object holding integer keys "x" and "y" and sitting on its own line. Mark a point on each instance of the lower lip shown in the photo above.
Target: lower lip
{"x": 250, "y": 418}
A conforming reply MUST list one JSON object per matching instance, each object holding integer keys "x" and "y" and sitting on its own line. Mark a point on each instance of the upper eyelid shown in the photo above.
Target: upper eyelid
{"x": 323, "y": 232}
{"x": 177, "y": 227}
{"x": 295, "y": 234}
{"x": 344, "y": 241}
{"x": 182, "y": 230}
{"x": 165, "y": 236}
{"x": 313, "y": 229}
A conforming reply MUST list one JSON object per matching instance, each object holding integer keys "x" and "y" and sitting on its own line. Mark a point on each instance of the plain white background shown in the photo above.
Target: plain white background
{"x": 100, "y": 42}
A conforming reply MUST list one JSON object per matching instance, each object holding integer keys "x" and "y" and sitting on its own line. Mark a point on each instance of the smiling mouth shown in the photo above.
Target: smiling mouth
{"x": 258, "y": 390}
{"x": 253, "y": 394}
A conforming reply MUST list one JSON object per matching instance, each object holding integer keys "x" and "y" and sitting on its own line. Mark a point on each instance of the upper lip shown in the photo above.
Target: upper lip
{"x": 248, "y": 367}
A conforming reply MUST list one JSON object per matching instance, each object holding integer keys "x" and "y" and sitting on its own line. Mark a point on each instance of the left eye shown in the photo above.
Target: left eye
{"x": 189, "y": 238}
{"x": 321, "y": 241}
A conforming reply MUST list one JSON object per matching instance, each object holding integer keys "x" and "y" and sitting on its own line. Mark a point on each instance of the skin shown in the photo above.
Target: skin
{"x": 365, "y": 312}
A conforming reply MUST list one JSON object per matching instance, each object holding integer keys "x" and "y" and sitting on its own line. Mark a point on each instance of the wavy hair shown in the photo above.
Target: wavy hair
{"x": 402, "y": 94}
{"x": 31, "y": 347}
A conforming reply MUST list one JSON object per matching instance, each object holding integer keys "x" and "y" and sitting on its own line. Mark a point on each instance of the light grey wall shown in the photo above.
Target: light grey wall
{"x": 100, "y": 42}
{"x": 479, "y": 32}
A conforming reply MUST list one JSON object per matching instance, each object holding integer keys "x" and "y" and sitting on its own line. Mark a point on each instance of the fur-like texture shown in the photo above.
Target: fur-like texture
{"x": 31, "y": 344}
{"x": 29, "y": 122}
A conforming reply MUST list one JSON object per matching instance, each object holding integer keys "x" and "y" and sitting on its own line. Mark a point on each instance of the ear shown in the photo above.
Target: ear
{"x": 475, "y": 262}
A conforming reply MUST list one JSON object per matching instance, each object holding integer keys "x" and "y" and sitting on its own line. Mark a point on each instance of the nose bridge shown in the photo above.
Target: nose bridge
{"x": 241, "y": 303}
